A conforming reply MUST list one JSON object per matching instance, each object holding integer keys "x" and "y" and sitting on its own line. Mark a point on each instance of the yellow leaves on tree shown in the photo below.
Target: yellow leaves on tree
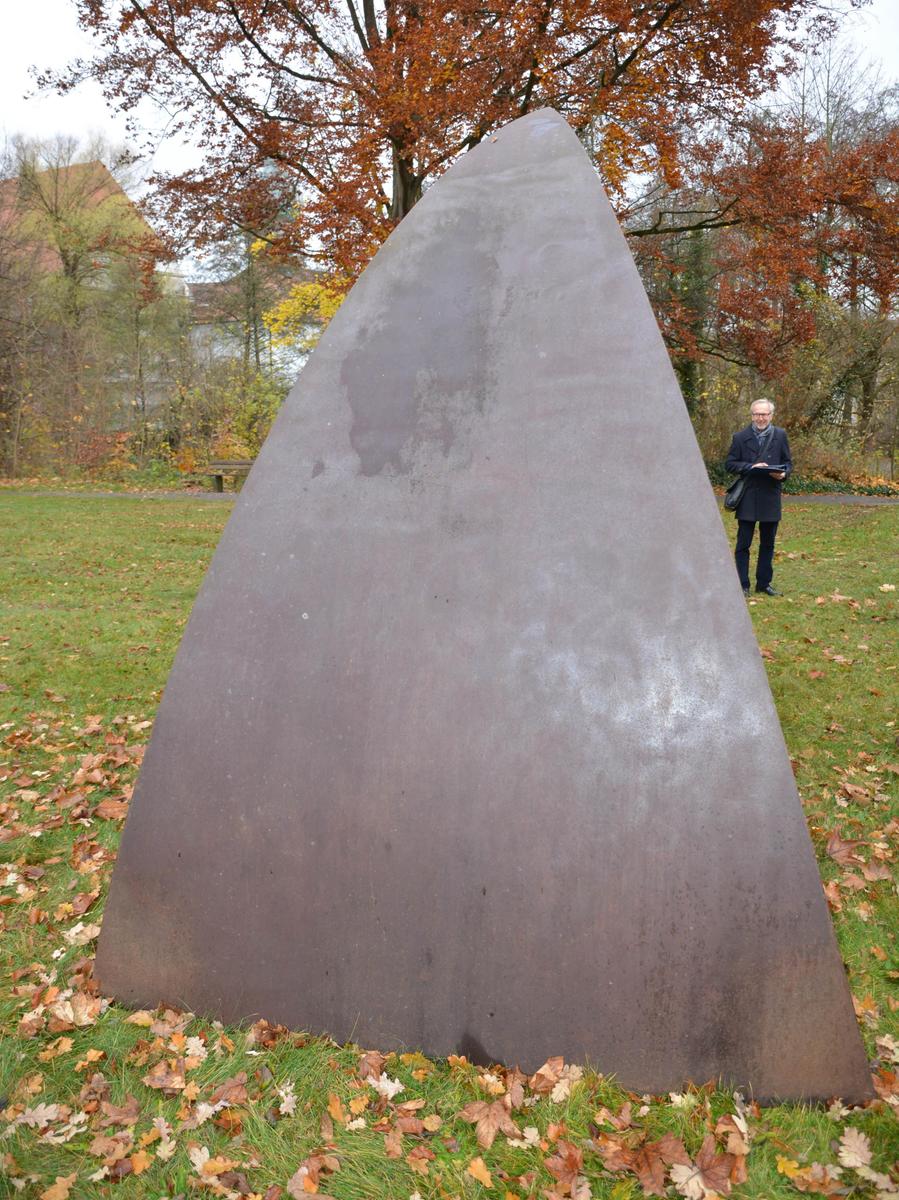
{"x": 300, "y": 319}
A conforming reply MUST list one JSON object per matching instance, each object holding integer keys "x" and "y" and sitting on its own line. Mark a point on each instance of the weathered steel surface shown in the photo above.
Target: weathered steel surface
{"x": 468, "y": 745}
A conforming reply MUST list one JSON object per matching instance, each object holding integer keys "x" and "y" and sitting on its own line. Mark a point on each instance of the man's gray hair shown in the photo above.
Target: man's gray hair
{"x": 762, "y": 400}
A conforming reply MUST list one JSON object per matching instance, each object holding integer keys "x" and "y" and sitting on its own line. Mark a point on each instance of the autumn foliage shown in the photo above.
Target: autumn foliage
{"x": 321, "y": 123}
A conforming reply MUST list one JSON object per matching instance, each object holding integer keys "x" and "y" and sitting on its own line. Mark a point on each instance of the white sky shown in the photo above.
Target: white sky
{"x": 44, "y": 34}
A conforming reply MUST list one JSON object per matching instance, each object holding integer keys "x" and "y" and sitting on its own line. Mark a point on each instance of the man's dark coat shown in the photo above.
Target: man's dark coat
{"x": 761, "y": 500}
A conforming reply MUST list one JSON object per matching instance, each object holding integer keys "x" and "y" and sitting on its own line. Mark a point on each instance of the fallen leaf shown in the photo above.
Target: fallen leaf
{"x": 817, "y": 1178}
{"x": 882, "y": 1182}
{"x": 546, "y": 1077}
{"x": 418, "y": 1159}
{"x": 614, "y": 1152}
{"x": 80, "y": 934}
{"x": 477, "y": 1169}
{"x": 111, "y": 810}
{"x": 490, "y": 1119}
{"x": 736, "y": 1130}
{"x": 61, "y": 1188}
{"x": 218, "y": 1165}
{"x": 386, "y": 1087}
{"x": 876, "y": 871}
{"x": 565, "y": 1165}
{"x": 232, "y": 1091}
{"x": 125, "y": 1114}
{"x": 141, "y": 1161}
{"x": 40, "y": 1116}
{"x": 62, "y": 1045}
{"x": 371, "y": 1064}
{"x": 709, "y": 1176}
{"x": 141, "y": 1017}
{"x": 854, "y": 1149}
{"x": 787, "y": 1166}
{"x": 111, "y": 1149}
{"x": 167, "y": 1077}
{"x": 842, "y": 851}
{"x": 530, "y": 1137}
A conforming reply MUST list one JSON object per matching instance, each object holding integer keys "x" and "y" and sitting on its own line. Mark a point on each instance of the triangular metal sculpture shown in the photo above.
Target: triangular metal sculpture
{"x": 468, "y": 745}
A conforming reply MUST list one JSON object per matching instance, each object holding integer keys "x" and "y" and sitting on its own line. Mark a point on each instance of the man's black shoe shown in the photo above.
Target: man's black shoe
{"x": 746, "y": 591}
{"x": 768, "y": 591}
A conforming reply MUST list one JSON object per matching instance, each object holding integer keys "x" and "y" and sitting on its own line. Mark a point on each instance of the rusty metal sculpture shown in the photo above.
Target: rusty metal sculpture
{"x": 468, "y": 744}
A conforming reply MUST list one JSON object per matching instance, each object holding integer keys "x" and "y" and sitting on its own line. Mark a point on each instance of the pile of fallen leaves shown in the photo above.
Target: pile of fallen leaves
{"x": 100, "y": 1101}
{"x": 127, "y": 1138}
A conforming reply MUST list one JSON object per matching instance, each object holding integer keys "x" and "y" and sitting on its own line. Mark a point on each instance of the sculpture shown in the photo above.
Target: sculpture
{"x": 468, "y": 744}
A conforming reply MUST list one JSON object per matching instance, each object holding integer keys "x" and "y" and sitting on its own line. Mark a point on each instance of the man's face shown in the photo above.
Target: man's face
{"x": 761, "y": 416}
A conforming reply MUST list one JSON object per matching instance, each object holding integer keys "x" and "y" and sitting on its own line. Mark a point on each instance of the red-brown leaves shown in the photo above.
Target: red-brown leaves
{"x": 167, "y": 1076}
{"x": 125, "y": 1114}
{"x": 565, "y": 1166}
{"x": 489, "y": 1120}
{"x": 843, "y": 851}
{"x": 232, "y": 1091}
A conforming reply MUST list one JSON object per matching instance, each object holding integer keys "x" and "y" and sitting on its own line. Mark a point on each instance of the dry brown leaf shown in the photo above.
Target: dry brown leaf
{"x": 515, "y": 1081}
{"x": 876, "y": 871}
{"x": 393, "y": 1144}
{"x": 93, "y": 1056}
{"x": 672, "y": 1150}
{"x": 489, "y": 1120}
{"x": 140, "y": 1161}
{"x": 418, "y": 1159}
{"x": 336, "y": 1110}
{"x": 167, "y": 1076}
{"x": 649, "y": 1168}
{"x": 111, "y": 810}
{"x": 141, "y": 1017}
{"x": 843, "y": 851}
{"x": 605, "y": 1116}
{"x": 61, "y": 1188}
{"x": 710, "y": 1175}
{"x": 546, "y": 1077}
{"x": 477, "y": 1169}
{"x": 565, "y": 1165}
{"x": 737, "y": 1138}
{"x": 614, "y": 1152}
{"x": 855, "y": 1149}
{"x": 111, "y": 1149}
{"x": 124, "y": 1114}
{"x": 232, "y": 1091}
{"x": 824, "y": 1180}
{"x": 414, "y": 1126}
{"x": 371, "y": 1064}
{"x": 218, "y": 1165}
{"x": 62, "y": 1045}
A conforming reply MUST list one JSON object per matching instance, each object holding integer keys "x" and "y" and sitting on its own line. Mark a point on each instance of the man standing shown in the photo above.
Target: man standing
{"x": 752, "y": 452}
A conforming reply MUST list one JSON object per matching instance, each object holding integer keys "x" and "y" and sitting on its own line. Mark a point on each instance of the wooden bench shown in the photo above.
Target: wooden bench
{"x": 218, "y": 471}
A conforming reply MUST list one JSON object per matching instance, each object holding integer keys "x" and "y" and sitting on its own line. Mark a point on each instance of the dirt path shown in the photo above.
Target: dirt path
{"x": 218, "y": 497}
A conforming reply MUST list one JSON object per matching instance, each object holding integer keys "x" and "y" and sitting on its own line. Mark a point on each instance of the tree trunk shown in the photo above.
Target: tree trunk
{"x": 406, "y": 186}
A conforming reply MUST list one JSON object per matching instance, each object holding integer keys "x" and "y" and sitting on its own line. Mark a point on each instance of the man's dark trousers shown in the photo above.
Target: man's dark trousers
{"x": 764, "y": 567}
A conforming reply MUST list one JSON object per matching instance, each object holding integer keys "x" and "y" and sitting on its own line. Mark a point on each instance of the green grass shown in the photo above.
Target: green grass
{"x": 95, "y": 594}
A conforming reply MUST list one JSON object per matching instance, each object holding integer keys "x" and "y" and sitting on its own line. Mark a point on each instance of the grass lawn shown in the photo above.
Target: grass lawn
{"x": 102, "y": 1102}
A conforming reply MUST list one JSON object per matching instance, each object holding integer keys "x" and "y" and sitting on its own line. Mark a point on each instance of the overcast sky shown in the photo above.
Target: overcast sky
{"x": 44, "y": 33}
